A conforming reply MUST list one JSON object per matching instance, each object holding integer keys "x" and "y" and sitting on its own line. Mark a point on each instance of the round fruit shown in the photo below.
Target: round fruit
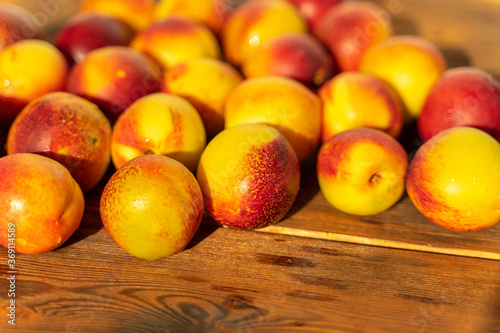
{"x": 249, "y": 176}
{"x": 362, "y": 171}
{"x": 453, "y": 179}
{"x": 152, "y": 207}
{"x": 160, "y": 124}
{"x": 41, "y": 205}
{"x": 68, "y": 129}
{"x": 463, "y": 96}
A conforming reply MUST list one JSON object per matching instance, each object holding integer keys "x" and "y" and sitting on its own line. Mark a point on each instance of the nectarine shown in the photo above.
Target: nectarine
{"x": 41, "y": 205}
{"x": 161, "y": 124}
{"x": 463, "y": 96}
{"x": 68, "y": 129}
{"x": 152, "y": 207}
{"x": 249, "y": 176}
{"x": 353, "y": 99}
{"x": 453, "y": 179}
{"x": 362, "y": 171}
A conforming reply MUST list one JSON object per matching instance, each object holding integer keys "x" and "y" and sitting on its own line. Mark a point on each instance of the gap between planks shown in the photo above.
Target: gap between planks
{"x": 361, "y": 240}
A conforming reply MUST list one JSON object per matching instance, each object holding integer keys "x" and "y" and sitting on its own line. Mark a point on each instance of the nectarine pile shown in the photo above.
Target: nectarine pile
{"x": 215, "y": 106}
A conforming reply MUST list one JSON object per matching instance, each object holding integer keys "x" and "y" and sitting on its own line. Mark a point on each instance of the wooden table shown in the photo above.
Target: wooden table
{"x": 318, "y": 270}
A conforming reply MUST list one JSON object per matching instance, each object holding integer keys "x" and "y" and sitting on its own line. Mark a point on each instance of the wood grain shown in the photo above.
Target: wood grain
{"x": 319, "y": 270}
{"x": 234, "y": 281}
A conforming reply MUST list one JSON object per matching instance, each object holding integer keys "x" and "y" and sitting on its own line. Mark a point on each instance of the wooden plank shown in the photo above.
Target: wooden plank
{"x": 236, "y": 281}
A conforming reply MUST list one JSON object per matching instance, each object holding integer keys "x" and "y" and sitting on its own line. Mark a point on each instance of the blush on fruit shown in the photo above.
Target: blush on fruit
{"x": 314, "y": 10}
{"x": 362, "y": 171}
{"x": 85, "y": 32}
{"x": 152, "y": 207}
{"x": 16, "y": 24}
{"x": 353, "y": 99}
{"x": 114, "y": 77}
{"x": 453, "y": 179}
{"x": 298, "y": 56}
{"x": 351, "y": 28}
{"x": 463, "y": 96}
{"x": 249, "y": 176}
{"x": 68, "y": 129}
{"x": 256, "y": 21}
{"x": 40, "y": 201}
{"x": 161, "y": 124}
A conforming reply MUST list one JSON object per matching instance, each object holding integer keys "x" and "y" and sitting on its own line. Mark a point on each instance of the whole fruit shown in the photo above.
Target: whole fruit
{"x": 68, "y": 129}
{"x": 353, "y": 99}
{"x": 463, "y": 96}
{"x": 160, "y": 124}
{"x": 249, "y": 176}
{"x": 453, "y": 179}
{"x": 152, "y": 207}
{"x": 362, "y": 171}
{"x": 41, "y": 205}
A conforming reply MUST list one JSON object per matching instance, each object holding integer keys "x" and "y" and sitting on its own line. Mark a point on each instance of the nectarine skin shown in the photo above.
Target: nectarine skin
{"x": 207, "y": 95}
{"x": 177, "y": 39}
{"x": 88, "y": 31}
{"x": 453, "y": 179}
{"x": 282, "y": 103}
{"x": 162, "y": 124}
{"x": 409, "y": 64}
{"x": 313, "y": 10}
{"x": 362, "y": 171}
{"x": 114, "y": 77}
{"x": 298, "y": 56}
{"x": 29, "y": 69}
{"x": 152, "y": 207}
{"x": 211, "y": 13}
{"x": 463, "y": 96}
{"x": 350, "y": 28}
{"x": 68, "y": 129}
{"x": 353, "y": 99}
{"x": 135, "y": 13}
{"x": 249, "y": 176}
{"x": 254, "y": 22}
{"x": 14, "y": 26}
{"x": 42, "y": 200}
